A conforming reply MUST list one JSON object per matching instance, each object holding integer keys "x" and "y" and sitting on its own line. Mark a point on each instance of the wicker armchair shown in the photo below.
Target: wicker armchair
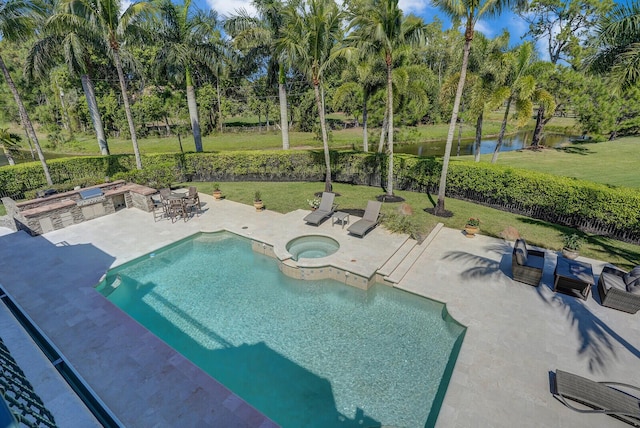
{"x": 613, "y": 291}
{"x": 527, "y": 265}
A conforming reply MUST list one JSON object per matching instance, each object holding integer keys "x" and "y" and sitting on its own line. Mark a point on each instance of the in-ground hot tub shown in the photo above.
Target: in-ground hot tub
{"x": 312, "y": 247}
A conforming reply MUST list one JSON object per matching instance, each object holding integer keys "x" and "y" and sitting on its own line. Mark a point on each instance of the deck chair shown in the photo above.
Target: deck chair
{"x": 369, "y": 220}
{"x": 601, "y": 396}
{"x": 324, "y": 211}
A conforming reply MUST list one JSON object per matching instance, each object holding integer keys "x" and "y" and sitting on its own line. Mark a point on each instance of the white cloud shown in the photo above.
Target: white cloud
{"x": 485, "y": 28}
{"x": 413, "y": 6}
{"x": 229, "y": 7}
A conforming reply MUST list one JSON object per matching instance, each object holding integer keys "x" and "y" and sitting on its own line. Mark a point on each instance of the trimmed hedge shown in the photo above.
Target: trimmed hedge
{"x": 609, "y": 211}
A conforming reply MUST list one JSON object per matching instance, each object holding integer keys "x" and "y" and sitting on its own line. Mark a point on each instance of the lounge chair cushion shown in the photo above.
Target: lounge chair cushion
{"x": 632, "y": 276}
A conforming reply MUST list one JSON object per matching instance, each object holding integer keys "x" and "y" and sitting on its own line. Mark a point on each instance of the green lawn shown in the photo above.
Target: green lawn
{"x": 286, "y": 197}
{"x": 611, "y": 162}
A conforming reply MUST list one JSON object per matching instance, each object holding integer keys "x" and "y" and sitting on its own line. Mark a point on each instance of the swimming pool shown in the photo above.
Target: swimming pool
{"x": 305, "y": 353}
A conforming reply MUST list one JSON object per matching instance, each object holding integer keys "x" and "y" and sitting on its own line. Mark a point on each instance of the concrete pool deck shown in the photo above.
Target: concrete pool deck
{"x": 516, "y": 333}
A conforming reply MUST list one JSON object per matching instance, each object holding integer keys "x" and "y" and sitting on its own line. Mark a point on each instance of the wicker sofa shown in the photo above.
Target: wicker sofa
{"x": 527, "y": 265}
{"x": 614, "y": 287}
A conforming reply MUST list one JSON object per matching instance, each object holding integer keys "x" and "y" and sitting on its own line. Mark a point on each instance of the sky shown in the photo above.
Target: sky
{"x": 423, "y": 8}
{"x": 516, "y": 26}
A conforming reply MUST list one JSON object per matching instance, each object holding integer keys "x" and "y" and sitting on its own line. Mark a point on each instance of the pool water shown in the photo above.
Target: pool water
{"x": 305, "y": 353}
{"x": 312, "y": 247}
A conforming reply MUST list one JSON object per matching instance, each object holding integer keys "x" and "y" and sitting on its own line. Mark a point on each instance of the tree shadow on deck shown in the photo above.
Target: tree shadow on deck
{"x": 599, "y": 342}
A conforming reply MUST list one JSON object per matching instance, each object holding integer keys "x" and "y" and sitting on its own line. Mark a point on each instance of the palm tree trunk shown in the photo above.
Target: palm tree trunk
{"x": 325, "y": 138}
{"x": 478, "y": 141}
{"x": 390, "y": 124}
{"x": 503, "y": 128}
{"x": 94, "y": 113}
{"x": 193, "y": 111}
{"x": 7, "y": 154}
{"x": 439, "y": 208}
{"x": 537, "y": 132}
{"x": 365, "y": 116}
{"x": 127, "y": 108}
{"x": 282, "y": 95}
{"x": 26, "y": 122}
{"x": 219, "y": 104}
{"x": 383, "y": 131}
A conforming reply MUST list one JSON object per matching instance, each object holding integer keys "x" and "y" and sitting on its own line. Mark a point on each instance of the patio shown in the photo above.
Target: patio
{"x": 516, "y": 333}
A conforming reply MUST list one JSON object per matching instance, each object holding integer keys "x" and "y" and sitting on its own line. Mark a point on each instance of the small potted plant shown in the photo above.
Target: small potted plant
{"x": 572, "y": 242}
{"x": 314, "y": 203}
{"x": 217, "y": 193}
{"x": 472, "y": 227}
{"x": 257, "y": 201}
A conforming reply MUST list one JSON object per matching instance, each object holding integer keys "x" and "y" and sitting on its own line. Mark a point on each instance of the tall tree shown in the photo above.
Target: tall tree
{"x": 16, "y": 23}
{"x": 364, "y": 76}
{"x": 59, "y": 43}
{"x": 187, "y": 38}
{"x": 379, "y": 26}
{"x": 488, "y": 70}
{"x": 617, "y": 45}
{"x": 563, "y": 25}
{"x": 110, "y": 27}
{"x": 261, "y": 34}
{"x": 520, "y": 87}
{"x": 312, "y": 39}
{"x": 470, "y": 11}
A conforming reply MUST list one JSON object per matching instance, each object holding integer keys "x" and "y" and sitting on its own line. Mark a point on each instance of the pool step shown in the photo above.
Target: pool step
{"x": 409, "y": 260}
{"x": 397, "y": 257}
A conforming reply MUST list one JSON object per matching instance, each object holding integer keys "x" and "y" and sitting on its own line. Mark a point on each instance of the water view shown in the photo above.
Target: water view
{"x": 510, "y": 143}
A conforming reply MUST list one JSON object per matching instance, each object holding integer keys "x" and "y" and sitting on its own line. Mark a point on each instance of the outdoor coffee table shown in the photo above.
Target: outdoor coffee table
{"x": 341, "y": 217}
{"x": 573, "y": 278}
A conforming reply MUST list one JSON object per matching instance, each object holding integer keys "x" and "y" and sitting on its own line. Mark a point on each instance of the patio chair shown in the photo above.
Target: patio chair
{"x": 192, "y": 200}
{"x": 526, "y": 265}
{"x": 176, "y": 208}
{"x": 158, "y": 204}
{"x": 324, "y": 211}
{"x": 619, "y": 289}
{"x": 370, "y": 219}
{"x": 601, "y": 396}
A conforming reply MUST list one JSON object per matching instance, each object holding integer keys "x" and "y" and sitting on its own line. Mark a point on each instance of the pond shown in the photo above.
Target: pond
{"x": 513, "y": 142}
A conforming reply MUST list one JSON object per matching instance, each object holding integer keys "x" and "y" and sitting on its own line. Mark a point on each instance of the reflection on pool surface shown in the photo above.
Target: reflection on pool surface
{"x": 305, "y": 353}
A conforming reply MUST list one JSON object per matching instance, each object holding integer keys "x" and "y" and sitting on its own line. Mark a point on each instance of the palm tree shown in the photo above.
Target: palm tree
{"x": 470, "y": 11}
{"x": 486, "y": 82}
{"x": 521, "y": 86}
{"x": 261, "y": 34}
{"x": 311, "y": 38}
{"x": 365, "y": 76}
{"x": 57, "y": 43}
{"x": 10, "y": 144}
{"x": 186, "y": 39}
{"x": 379, "y": 27}
{"x": 16, "y": 20}
{"x": 109, "y": 27}
{"x": 617, "y": 43}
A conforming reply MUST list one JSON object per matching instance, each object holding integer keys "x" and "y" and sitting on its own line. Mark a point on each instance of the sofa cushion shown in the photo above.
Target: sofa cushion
{"x": 520, "y": 250}
{"x": 612, "y": 280}
{"x": 634, "y": 287}
{"x": 632, "y": 276}
{"x": 535, "y": 262}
